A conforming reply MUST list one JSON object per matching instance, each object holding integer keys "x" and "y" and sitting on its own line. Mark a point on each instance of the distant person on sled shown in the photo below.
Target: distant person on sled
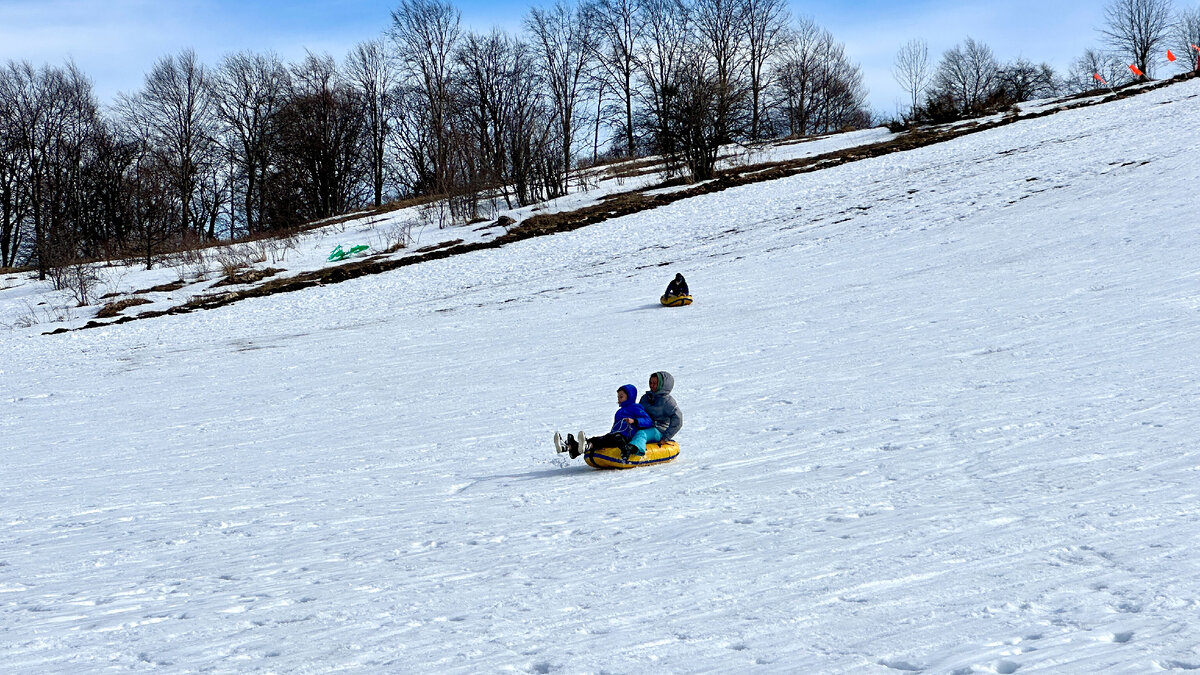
{"x": 677, "y": 293}
{"x": 678, "y": 286}
{"x": 630, "y": 419}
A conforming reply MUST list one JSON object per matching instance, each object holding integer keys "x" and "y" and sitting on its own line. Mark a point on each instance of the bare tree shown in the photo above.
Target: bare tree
{"x": 794, "y": 75}
{"x": 175, "y": 114}
{"x": 966, "y": 76}
{"x": 721, "y": 37}
{"x": 911, "y": 70}
{"x": 104, "y": 220}
{"x": 481, "y": 98}
{"x": 505, "y": 129}
{"x": 1137, "y": 29}
{"x": 150, "y": 202}
{"x": 51, "y": 114}
{"x": 597, "y": 87}
{"x": 765, "y": 23}
{"x": 1081, "y": 76}
{"x": 818, "y": 89}
{"x": 565, "y": 41}
{"x": 320, "y": 171}
{"x": 619, "y": 31}
{"x": 1023, "y": 80}
{"x": 1187, "y": 37}
{"x": 693, "y": 119}
{"x": 14, "y": 195}
{"x": 666, "y": 40}
{"x": 375, "y": 76}
{"x": 841, "y": 92}
{"x": 14, "y": 206}
{"x": 250, "y": 90}
{"x": 528, "y": 123}
{"x": 425, "y": 34}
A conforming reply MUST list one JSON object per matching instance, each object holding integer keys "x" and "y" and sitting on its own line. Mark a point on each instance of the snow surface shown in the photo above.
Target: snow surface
{"x": 940, "y": 415}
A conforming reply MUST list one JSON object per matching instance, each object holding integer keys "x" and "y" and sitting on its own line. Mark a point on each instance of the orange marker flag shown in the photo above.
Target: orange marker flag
{"x": 1170, "y": 56}
{"x": 1136, "y": 71}
{"x": 1096, "y": 76}
{"x": 1196, "y": 48}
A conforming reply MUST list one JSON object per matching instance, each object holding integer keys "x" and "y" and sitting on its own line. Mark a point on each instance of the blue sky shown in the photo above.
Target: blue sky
{"x": 116, "y": 41}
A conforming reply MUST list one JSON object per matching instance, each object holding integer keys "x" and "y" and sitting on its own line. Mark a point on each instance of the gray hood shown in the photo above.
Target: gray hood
{"x": 665, "y": 383}
{"x": 661, "y": 406}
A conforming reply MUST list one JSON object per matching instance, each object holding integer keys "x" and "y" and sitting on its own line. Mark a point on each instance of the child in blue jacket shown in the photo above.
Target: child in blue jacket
{"x": 629, "y": 419}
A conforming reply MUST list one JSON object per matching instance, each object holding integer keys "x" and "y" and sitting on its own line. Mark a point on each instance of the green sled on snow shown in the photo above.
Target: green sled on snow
{"x": 339, "y": 254}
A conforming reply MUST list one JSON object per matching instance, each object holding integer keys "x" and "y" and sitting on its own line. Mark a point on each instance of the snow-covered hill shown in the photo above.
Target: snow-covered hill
{"x": 940, "y": 416}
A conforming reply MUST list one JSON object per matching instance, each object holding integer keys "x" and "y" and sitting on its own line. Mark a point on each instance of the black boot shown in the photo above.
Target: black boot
{"x": 572, "y": 446}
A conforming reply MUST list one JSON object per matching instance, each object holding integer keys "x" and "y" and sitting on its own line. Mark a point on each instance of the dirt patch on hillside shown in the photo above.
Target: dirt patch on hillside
{"x": 250, "y": 276}
{"x": 115, "y": 308}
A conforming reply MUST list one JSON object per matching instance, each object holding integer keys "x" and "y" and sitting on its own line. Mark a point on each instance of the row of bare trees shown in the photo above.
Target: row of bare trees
{"x": 970, "y": 80}
{"x": 253, "y": 144}
{"x": 197, "y": 154}
{"x": 967, "y": 80}
{"x": 52, "y": 186}
{"x": 675, "y": 77}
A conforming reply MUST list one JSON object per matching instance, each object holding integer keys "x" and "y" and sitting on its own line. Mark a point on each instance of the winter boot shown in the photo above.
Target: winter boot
{"x": 582, "y": 442}
{"x": 572, "y": 446}
{"x": 558, "y": 442}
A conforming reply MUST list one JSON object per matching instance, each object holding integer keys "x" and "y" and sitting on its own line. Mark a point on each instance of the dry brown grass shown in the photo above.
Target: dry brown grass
{"x": 247, "y": 276}
{"x": 115, "y": 308}
{"x": 164, "y": 288}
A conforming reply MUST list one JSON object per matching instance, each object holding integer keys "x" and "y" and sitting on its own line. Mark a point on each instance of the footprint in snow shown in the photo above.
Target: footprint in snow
{"x": 1177, "y": 665}
{"x": 895, "y": 664}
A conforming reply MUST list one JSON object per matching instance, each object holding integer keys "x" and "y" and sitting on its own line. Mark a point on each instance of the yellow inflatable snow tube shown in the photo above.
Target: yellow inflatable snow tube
{"x": 675, "y": 300}
{"x": 610, "y": 458}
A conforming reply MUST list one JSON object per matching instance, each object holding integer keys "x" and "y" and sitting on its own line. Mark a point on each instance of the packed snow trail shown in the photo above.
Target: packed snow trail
{"x": 939, "y": 416}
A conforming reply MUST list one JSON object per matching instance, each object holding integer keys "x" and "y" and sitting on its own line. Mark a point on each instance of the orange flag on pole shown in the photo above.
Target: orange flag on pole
{"x": 1096, "y": 76}
{"x": 1170, "y": 56}
{"x": 1136, "y": 71}
{"x": 1196, "y": 48}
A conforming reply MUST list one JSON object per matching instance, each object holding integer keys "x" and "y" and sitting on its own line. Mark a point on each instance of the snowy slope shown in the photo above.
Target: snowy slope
{"x": 940, "y": 416}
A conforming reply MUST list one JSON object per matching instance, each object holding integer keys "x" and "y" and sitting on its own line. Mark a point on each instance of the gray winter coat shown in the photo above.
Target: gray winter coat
{"x": 662, "y": 407}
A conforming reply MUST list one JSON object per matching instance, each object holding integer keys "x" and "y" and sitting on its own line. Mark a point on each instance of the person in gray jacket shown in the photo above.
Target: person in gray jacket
{"x": 662, "y": 408}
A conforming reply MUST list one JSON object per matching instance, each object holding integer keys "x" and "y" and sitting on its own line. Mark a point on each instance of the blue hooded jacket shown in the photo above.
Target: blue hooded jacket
{"x": 630, "y": 409}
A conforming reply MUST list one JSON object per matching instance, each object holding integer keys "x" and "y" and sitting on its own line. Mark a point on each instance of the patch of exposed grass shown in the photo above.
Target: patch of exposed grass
{"x": 247, "y": 276}
{"x": 113, "y": 309}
